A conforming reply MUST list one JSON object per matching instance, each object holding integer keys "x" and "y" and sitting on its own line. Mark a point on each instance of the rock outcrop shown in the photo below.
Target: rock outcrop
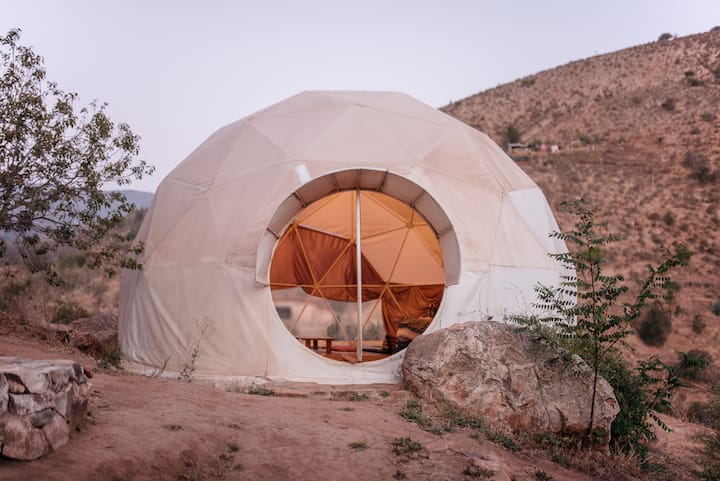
{"x": 492, "y": 372}
{"x": 95, "y": 335}
{"x": 41, "y": 403}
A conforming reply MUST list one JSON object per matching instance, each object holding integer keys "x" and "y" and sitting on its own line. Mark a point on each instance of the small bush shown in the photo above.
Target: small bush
{"x": 405, "y": 446}
{"x": 668, "y": 104}
{"x": 665, "y": 37}
{"x": 474, "y": 471}
{"x": 512, "y": 134}
{"x": 502, "y": 439}
{"x": 698, "y": 324}
{"x": 655, "y": 326}
{"x": 706, "y": 413}
{"x": 694, "y": 81}
{"x": 66, "y": 312}
{"x": 692, "y": 363}
{"x": 357, "y": 396}
{"x": 707, "y": 116}
{"x": 412, "y": 411}
{"x": 669, "y": 218}
{"x": 699, "y": 167}
{"x": 71, "y": 259}
{"x": 11, "y": 296}
{"x": 542, "y": 475}
{"x": 716, "y": 307}
{"x": 111, "y": 358}
{"x": 261, "y": 391}
{"x": 358, "y": 446}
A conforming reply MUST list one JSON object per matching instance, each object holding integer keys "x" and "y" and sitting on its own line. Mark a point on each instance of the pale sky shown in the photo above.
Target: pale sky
{"x": 177, "y": 71}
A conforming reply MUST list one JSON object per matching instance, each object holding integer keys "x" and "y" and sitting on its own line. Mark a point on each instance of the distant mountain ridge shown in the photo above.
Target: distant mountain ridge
{"x": 140, "y": 198}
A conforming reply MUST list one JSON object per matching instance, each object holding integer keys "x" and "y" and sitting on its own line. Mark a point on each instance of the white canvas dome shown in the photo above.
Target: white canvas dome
{"x": 214, "y": 224}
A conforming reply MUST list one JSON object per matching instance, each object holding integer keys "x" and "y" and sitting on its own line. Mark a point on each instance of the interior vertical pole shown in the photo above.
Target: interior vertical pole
{"x": 358, "y": 267}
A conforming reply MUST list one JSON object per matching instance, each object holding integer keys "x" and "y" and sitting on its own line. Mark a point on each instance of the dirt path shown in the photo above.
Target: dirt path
{"x": 161, "y": 429}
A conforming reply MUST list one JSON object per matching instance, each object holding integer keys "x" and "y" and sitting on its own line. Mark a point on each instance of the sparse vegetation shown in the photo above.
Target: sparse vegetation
{"x": 698, "y": 324}
{"x": 357, "y": 396}
{"x": 665, "y": 36}
{"x": 188, "y": 369}
{"x": 260, "y": 391}
{"x": 706, "y": 413}
{"x": 692, "y": 363}
{"x": 406, "y": 446}
{"x": 68, "y": 311}
{"x": 358, "y": 445}
{"x": 699, "y": 167}
{"x": 112, "y": 357}
{"x": 669, "y": 219}
{"x": 542, "y": 475}
{"x": 707, "y": 116}
{"x": 716, "y": 307}
{"x": 499, "y": 437}
{"x": 709, "y": 458}
{"x": 474, "y": 471}
{"x": 412, "y": 411}
{"x": 668, "y": 104}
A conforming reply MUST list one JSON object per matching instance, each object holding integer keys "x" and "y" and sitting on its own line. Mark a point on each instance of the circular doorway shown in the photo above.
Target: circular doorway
{"x": 357, "y": 301}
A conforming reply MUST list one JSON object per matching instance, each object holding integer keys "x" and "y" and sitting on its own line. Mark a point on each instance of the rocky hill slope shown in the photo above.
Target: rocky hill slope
{"x": 638, "y": 135}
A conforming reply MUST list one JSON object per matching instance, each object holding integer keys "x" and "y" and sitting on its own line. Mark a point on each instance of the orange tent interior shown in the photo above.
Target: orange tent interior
{"x": 401, "y": 267}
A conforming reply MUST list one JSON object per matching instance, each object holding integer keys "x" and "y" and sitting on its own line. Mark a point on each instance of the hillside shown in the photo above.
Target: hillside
{"x": 638, "y": 132}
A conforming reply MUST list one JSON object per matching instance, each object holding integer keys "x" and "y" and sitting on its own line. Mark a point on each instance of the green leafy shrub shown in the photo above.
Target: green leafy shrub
{"x": 655, "y": 326}
{"x": 412, "y": 411}
{"x": 692, "y": 363}
{"x": 640, "y": 393}
{"x": 593, "y": 327}
{"x": 512, "y": 134}
{"x": 357, "y": 396}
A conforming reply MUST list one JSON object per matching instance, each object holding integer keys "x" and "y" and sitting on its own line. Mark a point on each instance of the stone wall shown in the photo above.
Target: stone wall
{"x": 41, "y": 403}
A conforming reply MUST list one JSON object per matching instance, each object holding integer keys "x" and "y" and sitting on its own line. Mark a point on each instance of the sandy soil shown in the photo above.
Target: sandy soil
{"x": 161, "y": 429}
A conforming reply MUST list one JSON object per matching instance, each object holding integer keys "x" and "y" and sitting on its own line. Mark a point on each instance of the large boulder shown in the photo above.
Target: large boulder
{"x": 41, "y": 403}
{"x": 495, "y": 373}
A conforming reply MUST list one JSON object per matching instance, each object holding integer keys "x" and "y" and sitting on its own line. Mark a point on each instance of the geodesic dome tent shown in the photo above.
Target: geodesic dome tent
{"x": 338, "y": 217}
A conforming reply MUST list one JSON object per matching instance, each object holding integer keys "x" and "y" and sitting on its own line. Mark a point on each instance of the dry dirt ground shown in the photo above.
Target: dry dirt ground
{"x": 144, "y": 428}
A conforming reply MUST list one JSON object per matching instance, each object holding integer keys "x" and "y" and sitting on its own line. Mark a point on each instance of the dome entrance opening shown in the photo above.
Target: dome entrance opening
{"x": 357, "y": 301}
